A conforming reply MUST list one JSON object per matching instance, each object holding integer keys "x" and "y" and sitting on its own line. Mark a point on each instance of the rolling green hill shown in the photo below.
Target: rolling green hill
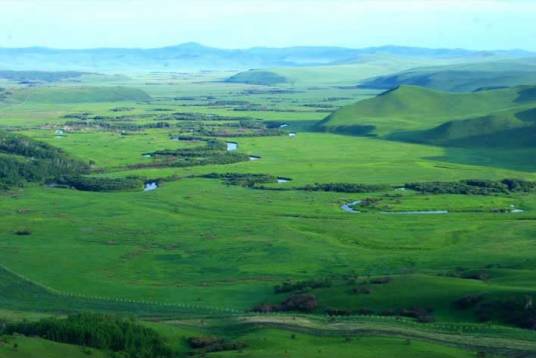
{"x": 256, "y": 77}
{"x": 85, "y": 94}
{"x": 462, "y": 77}
{"x": 418, "y": 114}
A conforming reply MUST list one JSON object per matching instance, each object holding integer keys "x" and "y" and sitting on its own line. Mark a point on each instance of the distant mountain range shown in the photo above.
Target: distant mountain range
{"x": 193, "y": 56}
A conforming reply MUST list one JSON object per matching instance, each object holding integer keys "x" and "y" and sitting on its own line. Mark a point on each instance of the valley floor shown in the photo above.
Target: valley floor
{"x": 198, "y": 253}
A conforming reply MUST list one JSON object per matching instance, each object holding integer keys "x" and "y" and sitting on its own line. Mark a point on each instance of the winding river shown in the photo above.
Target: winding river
{"x": 232, "y": 146}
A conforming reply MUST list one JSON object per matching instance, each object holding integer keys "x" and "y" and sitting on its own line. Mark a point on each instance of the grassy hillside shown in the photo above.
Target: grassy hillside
{"x": 256, "y": 77}
{"x": 30, "y": 347}
{"x": 462, "y": 77}
{"x": 79, "y": 94}
{"x": 422, "y": 115}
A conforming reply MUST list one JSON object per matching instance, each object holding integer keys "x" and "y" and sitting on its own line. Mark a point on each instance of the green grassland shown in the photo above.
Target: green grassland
{"x": 200, "y": 247}
{"x": 71, "y": 94}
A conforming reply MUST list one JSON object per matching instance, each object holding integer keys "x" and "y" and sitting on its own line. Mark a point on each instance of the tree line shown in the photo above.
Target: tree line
{"x": 25, "y": 160}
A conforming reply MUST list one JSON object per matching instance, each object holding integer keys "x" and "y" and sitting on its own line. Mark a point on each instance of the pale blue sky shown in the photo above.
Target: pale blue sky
{"x": 474, "y": 24}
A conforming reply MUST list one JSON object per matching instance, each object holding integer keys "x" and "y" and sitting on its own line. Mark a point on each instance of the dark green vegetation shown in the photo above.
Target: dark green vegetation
{"x": 214, "y": 152}
{"x": 25, "y": 160}
{"x": 257, "y": 77}
{"x": 39, "y": 76}
{"x": 248, "y": 249}
{"x": 78, "y": 94}
{"x": 462, "y": 77}
{"x": 109, "y": 333}
{"x": 475, "y": 187}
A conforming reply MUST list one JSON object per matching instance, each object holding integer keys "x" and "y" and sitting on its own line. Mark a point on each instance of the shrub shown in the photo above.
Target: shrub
{"x": 23, "y": 232}
{"x": 105, "y": 332}
{"x": 517, "y": 311}
{"x": 345, "y": 187}
{"x": 300, "y": 302}
{"x": 214, "y": 344}
{"x": 338, "y": 312}
{"x": 362, "y": 290}
{"x": 474, "y": 187}
{"x": 380, "y": 280}
{"x": 102, "y": 184}
{"x": 468, "y": 301}
{"x": 289, "y": 286}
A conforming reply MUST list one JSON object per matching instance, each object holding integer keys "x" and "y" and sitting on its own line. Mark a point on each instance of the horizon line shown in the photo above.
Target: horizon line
{"x": 199, "y": 44}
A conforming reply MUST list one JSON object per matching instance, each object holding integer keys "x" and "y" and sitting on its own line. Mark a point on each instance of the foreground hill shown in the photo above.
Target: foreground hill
{"x": 462, "y": 77}
{"x": 494, "y": 117}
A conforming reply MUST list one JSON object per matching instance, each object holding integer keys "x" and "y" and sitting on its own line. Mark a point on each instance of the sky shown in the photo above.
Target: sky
{"x": 471, "y": 24}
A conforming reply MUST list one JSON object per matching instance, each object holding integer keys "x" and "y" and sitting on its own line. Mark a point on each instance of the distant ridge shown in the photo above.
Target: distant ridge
{"x": 462, "y": 77}
{"x": 194, "y": 56}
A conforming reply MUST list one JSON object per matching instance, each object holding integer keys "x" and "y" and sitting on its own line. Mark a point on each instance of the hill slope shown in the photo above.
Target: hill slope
{"x": 417, "y": 114}
{"x": 257, "y": 77}
{"x": 462, "y": 78}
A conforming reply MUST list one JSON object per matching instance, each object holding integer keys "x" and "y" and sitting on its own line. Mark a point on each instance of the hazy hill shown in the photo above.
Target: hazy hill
{"x": 40, "y": 76}
{"x": 257, "y": 77}
{"x": 493, "y": 117}
{"x": 191, "y": 56}
{"x": 462, "y": 77}
{"x": 78, "y": 94}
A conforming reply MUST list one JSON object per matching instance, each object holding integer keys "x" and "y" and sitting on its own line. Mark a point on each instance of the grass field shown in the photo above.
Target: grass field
{"x": 198, "y": 247}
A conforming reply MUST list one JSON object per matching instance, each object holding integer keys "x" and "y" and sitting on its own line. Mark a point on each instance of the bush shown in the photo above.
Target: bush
{"x": 289, "y": 286}
{"x": 214, "y": 152}
{"x": 102, "y": 184}
{"x": 338, "y": 312}
{"x": 474, "y": 187}
{"x": 517, "y": 311}
{"x": 214, "y": 344}
{"x": 362, "y": 290}
{"x": 298, "y": 302}
{"x": 346, "y": 187}
{"x": 98, "y": 331}
{"x": 246, "y": 180}
{"x": 468, "y": 301}
{"x": 23, "y": 232}
{"x": 31, "y": 161}
{"x": 380, "y": 280}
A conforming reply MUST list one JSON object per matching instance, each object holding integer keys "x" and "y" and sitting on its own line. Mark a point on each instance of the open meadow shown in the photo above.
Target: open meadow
{"x": 239, "y": 210}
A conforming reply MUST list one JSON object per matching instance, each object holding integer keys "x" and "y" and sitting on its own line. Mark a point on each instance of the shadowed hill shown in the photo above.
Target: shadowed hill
{"x": 504, "y": 117}
{"x": 462, "y": 77}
